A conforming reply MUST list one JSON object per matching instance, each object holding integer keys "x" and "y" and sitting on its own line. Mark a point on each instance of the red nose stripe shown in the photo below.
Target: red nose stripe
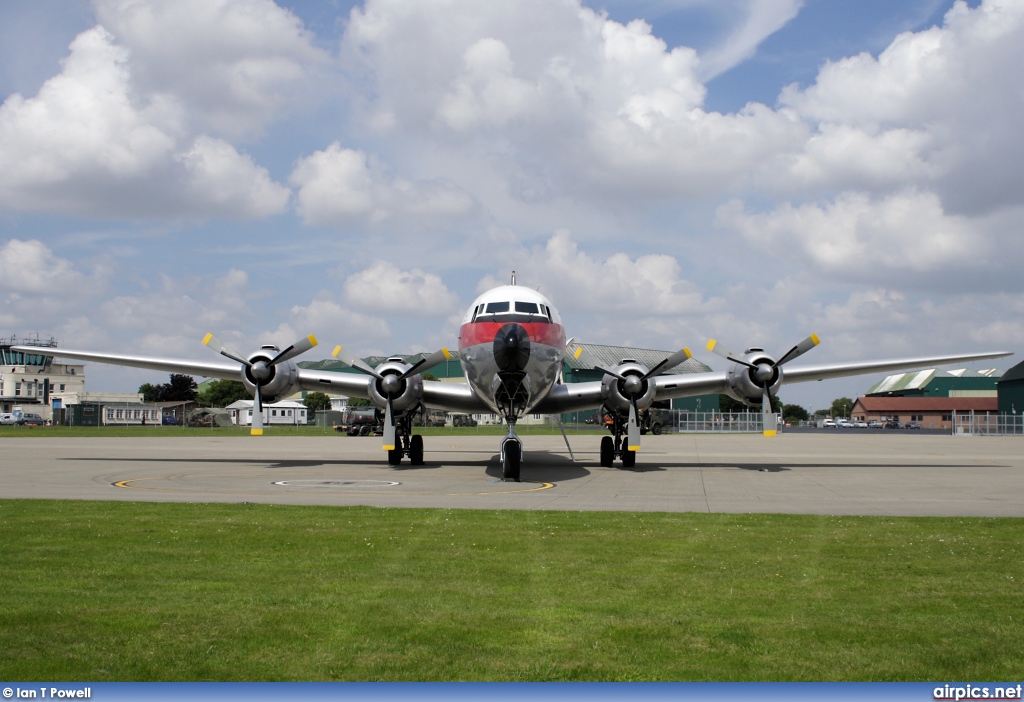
{"x": 476, "y": 333}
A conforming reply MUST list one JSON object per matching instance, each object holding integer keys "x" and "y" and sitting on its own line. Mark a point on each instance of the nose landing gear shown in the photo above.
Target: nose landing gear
{"x": 511, "y": 455}
{"x": 406, "y": 443}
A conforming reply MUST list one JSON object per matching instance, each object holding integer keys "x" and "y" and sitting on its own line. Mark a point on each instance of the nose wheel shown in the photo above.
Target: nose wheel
{"x": 511, "y": 456}
{"x": 614, "y": 446}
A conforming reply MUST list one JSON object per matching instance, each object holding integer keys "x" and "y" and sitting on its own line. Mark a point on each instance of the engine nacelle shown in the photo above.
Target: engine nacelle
{"x": 747, "y": 384}
{"x": 283, "y": 380}
{"x": 617, "y": 395}
{"x": 406, "y": 394}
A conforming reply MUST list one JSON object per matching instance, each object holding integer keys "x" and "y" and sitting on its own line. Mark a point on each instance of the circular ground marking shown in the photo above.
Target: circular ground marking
{"x": 337, "y": 483}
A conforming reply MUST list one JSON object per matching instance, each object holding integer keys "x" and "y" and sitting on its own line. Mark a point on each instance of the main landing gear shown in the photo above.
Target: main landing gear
{"x": 614, "y": 446}
{"x": 406, "y": 443}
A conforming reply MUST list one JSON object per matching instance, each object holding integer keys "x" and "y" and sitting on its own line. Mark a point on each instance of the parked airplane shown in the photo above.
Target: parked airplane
{"x": 512, "y": 346}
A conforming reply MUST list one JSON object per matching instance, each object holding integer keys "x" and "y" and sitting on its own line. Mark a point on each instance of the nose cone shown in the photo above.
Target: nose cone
{"x": 511, "y": 348}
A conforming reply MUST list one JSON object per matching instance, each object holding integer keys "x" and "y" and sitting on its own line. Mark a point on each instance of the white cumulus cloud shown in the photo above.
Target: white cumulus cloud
{"x": 383, "y": 286}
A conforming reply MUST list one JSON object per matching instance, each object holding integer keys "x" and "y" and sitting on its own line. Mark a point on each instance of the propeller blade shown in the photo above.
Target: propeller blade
{"x": 389, "y": 428}
{"x": 223, "y": 349}
{"x": 715, "y": 347}
{"x": 427, "y": 363}
{"x": 357, "y": 363}
{"x": 633, "y": 429}
{"x": 300, "y": 346}
{"x": 587, "y": 359}
{"x": 257, "y": 414}
{"x": 799, "y": 350}
{"x": 770, "y": 420}
{"x": 670, "y": 362}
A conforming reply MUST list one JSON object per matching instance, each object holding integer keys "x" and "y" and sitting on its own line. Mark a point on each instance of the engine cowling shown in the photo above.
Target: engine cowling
{"x": 618, "y": 394}
{"x": 747, "y": 384}
{"x": 406, "y": 393}
{"x": 283, "y": 379}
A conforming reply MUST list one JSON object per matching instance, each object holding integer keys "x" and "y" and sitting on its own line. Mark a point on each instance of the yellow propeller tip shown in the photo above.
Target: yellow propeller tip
{"x": 711, "y": 344}
{"x": 447, "y": 353}
{"x": 312, "y": 340}
{"x": 688, "y": 354}
{"x": 337, "y": 350}
{"x": 256, "y": 432}
{"x": 815, "y": 339}
{"x": 389, "y": 448}
{"x": 206, "y": 339}
{"x": 577, "y": 352}
{"x": 633, "y": 448}
{"x": 769, "y": 432}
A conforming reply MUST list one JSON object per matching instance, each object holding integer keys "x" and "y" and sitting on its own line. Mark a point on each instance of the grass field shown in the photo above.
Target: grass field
{"x": 147, "y": 591}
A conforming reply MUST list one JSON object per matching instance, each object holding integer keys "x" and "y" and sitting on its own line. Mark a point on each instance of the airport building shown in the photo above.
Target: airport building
{"x": 928, "y": 412}
{"x": 284, "y": 412}
{"x": 32, "y": 382}
{"x": 1011, "y": 391}
{"x": 932, "y": 382}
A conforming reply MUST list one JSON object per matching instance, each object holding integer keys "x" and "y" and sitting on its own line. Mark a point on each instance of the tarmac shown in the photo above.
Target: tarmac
{"x": 828, "y": 472}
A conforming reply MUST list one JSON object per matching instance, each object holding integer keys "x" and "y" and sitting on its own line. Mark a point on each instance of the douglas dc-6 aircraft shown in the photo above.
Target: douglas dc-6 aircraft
{"x": 512, "y": 347}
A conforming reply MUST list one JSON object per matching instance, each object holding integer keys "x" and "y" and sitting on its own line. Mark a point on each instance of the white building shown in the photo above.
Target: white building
{"x": 284, "y": 412}
{"x": 33, "y": 382}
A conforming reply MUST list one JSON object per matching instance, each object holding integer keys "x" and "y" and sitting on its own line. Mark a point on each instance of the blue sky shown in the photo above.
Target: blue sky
{"x": 665, "y": 170}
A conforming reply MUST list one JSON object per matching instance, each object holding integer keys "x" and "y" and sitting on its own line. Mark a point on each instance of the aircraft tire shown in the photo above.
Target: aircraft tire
{"x": 607, "y": 451}
{"x": 394, "y": 456}
{"x": 628, "y": 458}
{"x": 416, "y": 450}
{"x": 513, "y": 460}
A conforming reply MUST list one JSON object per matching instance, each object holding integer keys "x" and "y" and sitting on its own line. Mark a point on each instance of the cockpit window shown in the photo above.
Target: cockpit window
{"x": 497, "y": 307}
{"x": 507, "y": 311}
{"x": 527, "y": 307}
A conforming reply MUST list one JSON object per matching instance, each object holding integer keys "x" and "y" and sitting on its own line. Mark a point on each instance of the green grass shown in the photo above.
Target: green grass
{"x": 149, "y": 591}
{"x": 277, "y": 430}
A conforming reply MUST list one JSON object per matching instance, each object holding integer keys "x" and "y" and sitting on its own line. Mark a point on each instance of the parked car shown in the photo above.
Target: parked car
{"x": 844, "y": 424}
{"x": 828, "y": 424}
{"x": 31, "y": 419}
{"x": 875, "y": 424}
{"x": 860, "y": 424}
{"x": 169, "y": 419}
{"x": 913, "y": 425}
{"x": 8, "y": 418}
{"x": 893, "y": 424}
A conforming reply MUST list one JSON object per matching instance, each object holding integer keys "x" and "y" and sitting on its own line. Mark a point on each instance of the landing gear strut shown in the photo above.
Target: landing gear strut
{"x": 406, "y": 443}
{"x": 614, "y": 446}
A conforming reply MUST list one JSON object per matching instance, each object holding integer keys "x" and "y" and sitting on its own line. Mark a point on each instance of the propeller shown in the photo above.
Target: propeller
{"x": 762, "y": 373}
{"x": 391, "y": 383}
{"x": 260, "y": 371}
{"x": 632, "y": 386}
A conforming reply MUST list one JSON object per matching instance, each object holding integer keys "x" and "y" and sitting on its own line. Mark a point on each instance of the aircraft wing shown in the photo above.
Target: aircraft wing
{"x": 453, "y": 397}
{"x": 206, "y": 369}
{"x": 802, "y": 374}
{"x": 580, "y": 396}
